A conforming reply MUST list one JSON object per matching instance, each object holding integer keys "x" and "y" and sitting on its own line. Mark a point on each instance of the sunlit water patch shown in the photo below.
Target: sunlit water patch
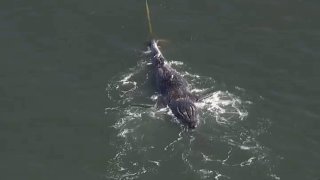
{"x": 149, "y": 140}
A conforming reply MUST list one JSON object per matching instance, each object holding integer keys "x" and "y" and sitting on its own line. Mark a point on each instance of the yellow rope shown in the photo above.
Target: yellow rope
{"x": 148, "y": 16}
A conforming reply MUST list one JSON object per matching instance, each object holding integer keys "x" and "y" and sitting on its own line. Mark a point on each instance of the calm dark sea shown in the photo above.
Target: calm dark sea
{"x": 70, "y": 72}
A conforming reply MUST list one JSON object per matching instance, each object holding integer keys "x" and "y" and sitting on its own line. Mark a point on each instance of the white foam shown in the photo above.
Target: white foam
{"x": 178, "y": 63}
{"x": 205, "y": 173}
{"x": 155, "y": 162}
{"x": 191, "y": 75}
{"x": 196, "y": 90}
{"x": 218, "y": 175}
{"x": 274, "y": 176}
{"x": 172, "y": 143}
{"x": 247, "y": 162}
{"x": 154, "y": 97}
{"x": 206, "y": 158}
{"x": 245, "y": 147}
{"x": 124, "y": 132}
{"x": 240, "y": 89}
{"x": 125, "y": 79}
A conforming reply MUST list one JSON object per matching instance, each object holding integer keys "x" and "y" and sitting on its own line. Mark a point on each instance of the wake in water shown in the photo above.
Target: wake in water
{"x": 150, "y": 141}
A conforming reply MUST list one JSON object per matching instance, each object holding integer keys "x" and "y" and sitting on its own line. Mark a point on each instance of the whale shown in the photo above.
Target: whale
{"x": 172, "y": 88}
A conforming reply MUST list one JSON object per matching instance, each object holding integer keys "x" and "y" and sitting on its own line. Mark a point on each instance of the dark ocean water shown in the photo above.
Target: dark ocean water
{"x": 70, "y": 72}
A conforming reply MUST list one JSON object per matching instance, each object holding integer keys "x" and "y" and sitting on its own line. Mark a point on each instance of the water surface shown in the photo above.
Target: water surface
{"x": 70, "y": 72}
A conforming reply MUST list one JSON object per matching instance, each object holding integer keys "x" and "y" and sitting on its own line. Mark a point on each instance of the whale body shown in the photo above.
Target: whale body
{"x": 174, "y": 89}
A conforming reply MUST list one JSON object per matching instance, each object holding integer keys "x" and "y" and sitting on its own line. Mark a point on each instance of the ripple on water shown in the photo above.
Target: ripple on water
{"x": 146, "y": 140}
